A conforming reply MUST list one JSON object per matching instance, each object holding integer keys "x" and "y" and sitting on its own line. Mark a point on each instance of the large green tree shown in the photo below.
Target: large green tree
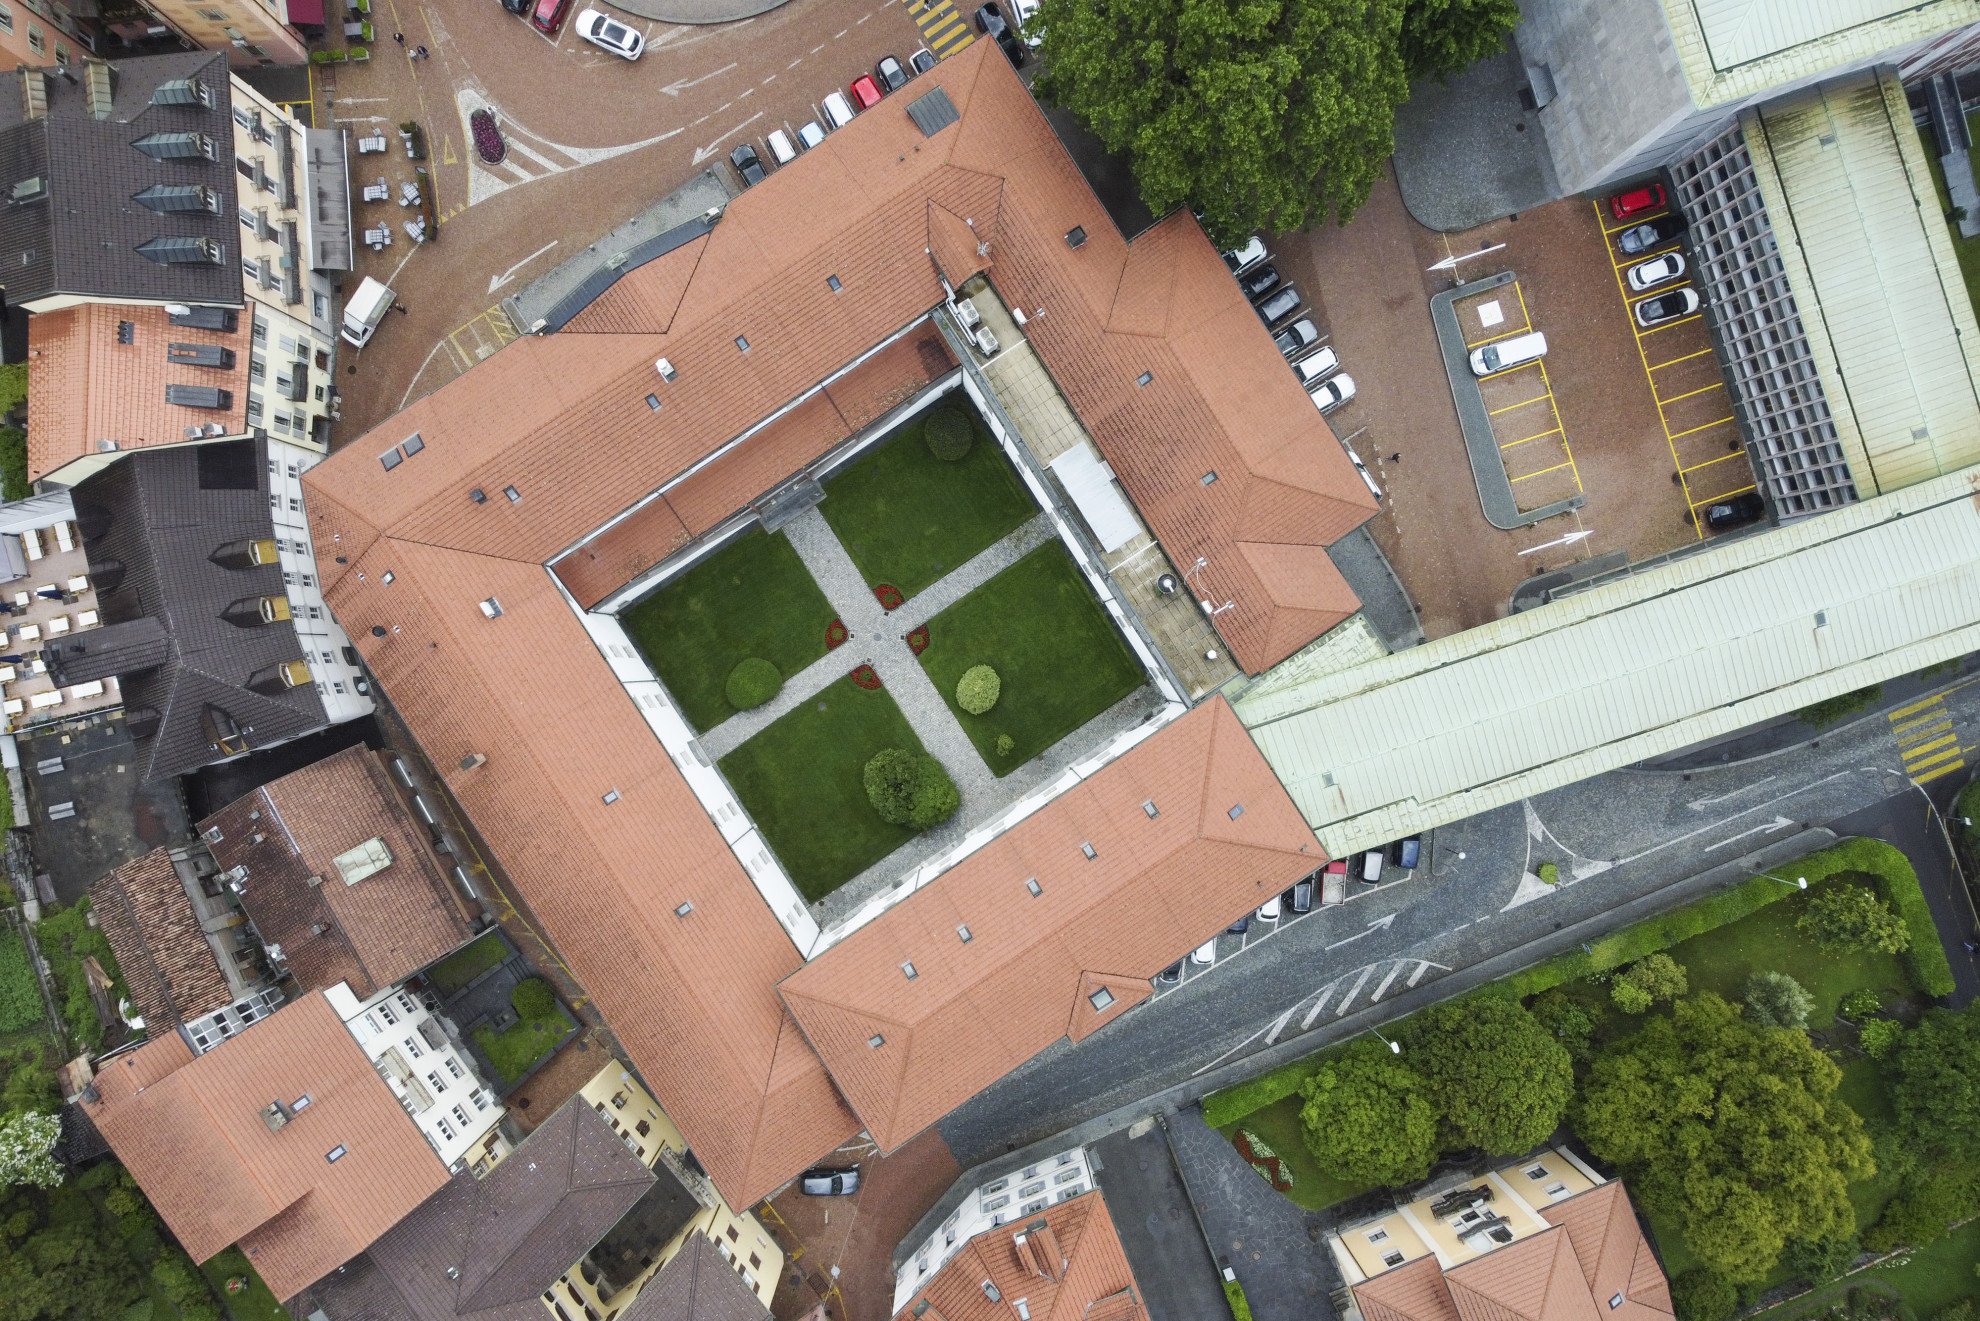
{"x": 1368, "y": 1118}
{"x": 1732, "y": 1130}
{"x": 1935, "y": 1087}
{"x": 1263, "y": 113}
{"x": 1499, "y": 1079}
{"x": 1440, "y": 37}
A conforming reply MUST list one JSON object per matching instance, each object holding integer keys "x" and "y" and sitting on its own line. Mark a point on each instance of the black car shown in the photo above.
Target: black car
{"x": 892, "y": 77}
{"x": 1299, "y": 899}
{"x": 1239, "y": 927}
{"x": 1738, "y": 511}
{"x": 747, "y": 165}
{"x": 1279, "y": 306}
{"x": 1650, "y": 234}
{"x": 516, "y": 6}
{"x": 990, "y": 22}
{"x": 1259, "y": 281}
{"x": 1406, "y": 853}
{"x": 1298, "y": 337}
{"x": 1170, "y": 975}
{"x": 829, "y": 1183}
{"x": 922, "y": 60}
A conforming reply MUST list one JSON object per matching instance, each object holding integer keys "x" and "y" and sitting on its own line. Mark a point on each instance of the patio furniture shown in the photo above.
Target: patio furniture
{"x": 58, "y": 626}
{"x": 416, "y": 230}
{"x": 31, "y": 543}
{"x": 65, "y": 535}
{"x": 409, "y": 194}
{"x": 6, "y": 674}
{"x": 357, "y": 30}
{"x": 37, "y": 666}
{"x": 79, "y": 583}
{"x": 371, "y": 144}
{"x": 23, "y": 599}
{"x": 94, "y": 688}
{"x": 87, "y": 619}
{"x": 378, "y": 192}
{"x": 13, "y": 706}
{"x": 42, "y": 701}
{"x": 379, "y": 239}
{"x": 28, "y": 632}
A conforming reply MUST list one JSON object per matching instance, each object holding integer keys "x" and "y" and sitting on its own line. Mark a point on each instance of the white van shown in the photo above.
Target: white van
{"x": 780, "y": 146}
{"x": 364, "y": 310}
{"x": 838, "y": 112}
{"x": 1317, "y": 367}
{"x": 1508, "y": 353}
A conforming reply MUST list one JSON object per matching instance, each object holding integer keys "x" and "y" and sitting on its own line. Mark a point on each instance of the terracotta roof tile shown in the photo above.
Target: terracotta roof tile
{"x": 1414, "y": 1291}
{"x": 1614, "y": 1255}
{"x": 288, "y": 835}
{"x": 190, "y": 1130}
{"x": 1534, "y": 1279}
{"x": 1070, "y": 1268}
{"x": 697, "y": 1285}
{"x": 976, "y": 1010}
{"x": 168, "y": 967}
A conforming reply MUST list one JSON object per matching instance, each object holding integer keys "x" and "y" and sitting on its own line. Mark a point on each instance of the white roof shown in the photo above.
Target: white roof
{"x": 1090, "y": 483}
{"x": 1742, "y": 30}
{"x": 1649, "y": 664}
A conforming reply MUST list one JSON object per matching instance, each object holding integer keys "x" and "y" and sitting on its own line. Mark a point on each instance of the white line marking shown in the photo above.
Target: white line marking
{"x": 1326, "y": 994}
{"x": 1355, "y": 990}
{"x": 1422, "y": 966}
{"x": 1700, "y": 804}
{"x": 497, "y": 281}
{"x": 1383, "y": 989}
{"x": 1278, "y": 1027}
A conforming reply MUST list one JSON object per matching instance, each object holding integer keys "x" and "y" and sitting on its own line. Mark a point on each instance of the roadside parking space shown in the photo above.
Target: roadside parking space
{"x": 1520, "y": 402}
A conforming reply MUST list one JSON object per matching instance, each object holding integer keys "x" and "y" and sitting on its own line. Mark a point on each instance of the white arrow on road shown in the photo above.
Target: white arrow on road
{"x": 1778, "y": 823}
{"x": 1450, "y": 263}
{"x": 703, "y": 153}
{"x": 676, "y": 88}
{"x": 1379, "y": 924}
{"x": 1568, "y": 540}
{"x": 497, "y": 281}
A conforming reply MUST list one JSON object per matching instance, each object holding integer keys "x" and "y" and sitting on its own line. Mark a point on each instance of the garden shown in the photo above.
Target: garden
{"x": 452, "y": 974}
{"x": 540, "y": 1026}
{"x": 1765, "y": 1069}
{"x": 1056, "y": 656}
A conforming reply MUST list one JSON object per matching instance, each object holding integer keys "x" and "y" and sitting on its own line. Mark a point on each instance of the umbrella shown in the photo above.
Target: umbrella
{"x": 52, "y": 593}
{"x": 12, "y": 660}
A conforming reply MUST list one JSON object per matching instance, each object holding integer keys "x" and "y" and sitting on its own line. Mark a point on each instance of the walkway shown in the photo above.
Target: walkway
{"x": 1160, "y": 1234}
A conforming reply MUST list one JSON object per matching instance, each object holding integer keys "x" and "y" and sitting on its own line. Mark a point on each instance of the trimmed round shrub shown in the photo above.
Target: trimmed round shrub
{"x": 936, "y": 797}
{"x": 1859, "y": 1004}
{"x": 753, "y": 682}
{"x": 533, "y": 998}
{"x": 890, "y": 779}
{"x": 949, "y": 434}
{"x": 978, "y": 689}
{"x": 1006, "y": 745}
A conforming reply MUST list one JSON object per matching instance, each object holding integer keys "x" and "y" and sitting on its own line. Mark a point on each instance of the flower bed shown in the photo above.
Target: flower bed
{"x": 835, "y": 633}
{"x": 918, "y": 640}
{"x": 865, "y": 677}
{"x": 488, "y": 142}
{"x": 889, "y": 596}
{"x": 1263, "y": 1159}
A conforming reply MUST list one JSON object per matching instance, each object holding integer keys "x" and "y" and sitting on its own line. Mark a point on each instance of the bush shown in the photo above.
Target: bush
{"x": 533, "y": 999}
{"x": 1774, "y": 999}
{"x": 936, "y": 797}
{"x": 1550, "y": 873}
{"x": 1925, "y": 955}
{"x": 1859, "y": 1004}
{"x": 948, "y": 433}
{"x": 1825, "y": 713}
{"x": 1880, "y": 1036}
{"x": 910, "y": 789}
{"x": 1240, "y": 1305}
{"x": 14, "y": 464}
{"x": 1222, "y": 1109}
{"x": 978, "y": 689}
{"x": 1006, "y": 745}
{"x": 1651, "y": 979}
{"x": 1850, "y": 916}
{"x": 1702, "y": 1294}
{"x": 1568, "y": 1020}
{"x": 753, "y": 682}
{"x": 1922, "y": 1211}
{"x": 1820, "y": 1260}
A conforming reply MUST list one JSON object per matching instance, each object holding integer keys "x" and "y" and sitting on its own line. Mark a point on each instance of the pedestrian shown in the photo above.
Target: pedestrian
{"x": 1396, "y": 457}
{"x": 399, "y": 37}
{"x": 419, "y": 53}
{"x": 400, "y": 308}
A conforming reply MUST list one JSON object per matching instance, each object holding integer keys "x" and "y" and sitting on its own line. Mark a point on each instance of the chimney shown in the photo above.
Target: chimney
{"x": 474, "y": 761}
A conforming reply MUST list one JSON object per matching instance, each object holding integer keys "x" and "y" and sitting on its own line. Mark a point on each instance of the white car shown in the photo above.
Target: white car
{"x": 1269, "y": 910}
{"x": 1022, "y": 12}
{"x": 810, "y": 135}
{"x": 1658, "y": 270}
{"x": 608, "y": 33}
{"x": 1333, "y": 392}
{"x": 1659, "y": 308}
{"x": 1243, "y": 259}
{"x": 1205, "y": 954}
{"x": 780, "y": 146}
{"x": 1317, "y": 366}
{"x": 838, "y": 111}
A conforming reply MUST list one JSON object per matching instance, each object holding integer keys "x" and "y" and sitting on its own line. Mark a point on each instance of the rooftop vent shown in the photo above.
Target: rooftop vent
{"x": 275, "y": 1115}
{"x": 367, "y": 859}
{"x": 492, "y": 608}
{"x": 171, "y": 198}
{"x": 666, "y": 369}
{"x": 176, "y": 146}
{"x": 181, "y": 91}
{"x": 1076, "y": 237}
{"x": 199, "y": 396}
{"x": 181, "y": 251}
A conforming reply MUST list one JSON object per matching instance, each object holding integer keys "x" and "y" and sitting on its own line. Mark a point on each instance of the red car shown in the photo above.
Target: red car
{"x": 1650, "y": 197}
{"x": 865, "y": 92}
{"x": 548, "y": 15}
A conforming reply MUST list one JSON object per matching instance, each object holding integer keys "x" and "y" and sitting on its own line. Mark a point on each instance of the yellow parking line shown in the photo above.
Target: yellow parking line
{"x": 1675, "y": 361}
{"x": 1566, "y": 448}
{"x": 1680, "y": 435}
{"x": 1538, "y": 435}
{"x": 1504, "y": 372}
{"x": 1521, "y": 404}
{"x": 1630, "y": 223}
{"x": 1544, "y": 471}
{"x": 1916, "y": 707}
{"x": 1938, "y": 771}
{"x": 1716, "y": 385}
{"x": 1740, "y": 454}
{"x": 1493, "y": 339}
{"x": 1684, "y": 486}
{"x": 1666, "y": 325}
{"x": 1638, "y": 257}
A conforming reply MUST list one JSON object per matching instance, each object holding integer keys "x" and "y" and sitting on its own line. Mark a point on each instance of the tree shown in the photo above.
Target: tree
{"x": 30, "y": 1082}
{"x": 935, "y": 795}
{"x": 1646, "y": 982}
{"x": 910, "y": 788}
{"x": 27, "y": 1151}
{"x": 1368, "y": 1117}
{"x": 1924, "y": 1208}
{"x": 1820, "y": 1260}
{"x": 1733, "y": 1131}
{"x": 1853, "y": 917}
{"x": 1774, "y": 999}
{"x": 1567, "y": 1020}
{"x": 1497, "y": 1078}
{"x": 1701, "y": 1294}
{"x": 1440, "y": 37}
{"x": 1934, "y": 1084}
{"x": 1263, "y": 113}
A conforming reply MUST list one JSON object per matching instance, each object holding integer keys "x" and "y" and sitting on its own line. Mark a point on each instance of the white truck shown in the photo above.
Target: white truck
{"x": 363, "y": 311}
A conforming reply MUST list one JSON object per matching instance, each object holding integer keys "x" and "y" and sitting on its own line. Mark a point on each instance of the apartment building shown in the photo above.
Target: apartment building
{"x": 1025, "y": 1192}
{"x": 1063, "y": 1263}
{"x": 431, "y": 1074}
{"x": 247, "y": 32}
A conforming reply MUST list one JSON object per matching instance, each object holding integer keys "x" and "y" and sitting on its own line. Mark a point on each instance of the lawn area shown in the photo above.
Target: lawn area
{"x": 800, "y": 781}
{"x": 1967, "y": 250}
{"x": 909, "y": 518}
{"x": 753, "y": 597}
{"x": 254, "y": 1303}
{"x": 1060, "y": 657}
{"x": 1935, "y": 1278}
{"x": 468, "y": 962}
{"x": 515, "y": 1048}
{"x": 1278, "y": 1123}
{"x": 20, "y": 997}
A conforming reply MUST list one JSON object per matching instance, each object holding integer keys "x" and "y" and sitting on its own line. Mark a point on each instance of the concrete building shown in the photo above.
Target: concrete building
{"x": 250, "y": 32}
{"x": 40, "y": 34}
{"x": 1025, "y": 1192}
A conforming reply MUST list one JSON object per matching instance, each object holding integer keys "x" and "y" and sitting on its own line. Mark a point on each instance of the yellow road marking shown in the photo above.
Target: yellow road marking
{"x": 1716, "y": 385}
{"x": 1543, "y": 472}
{"x": 1550, "y": 431}
{"x": 1521, "y": 404}
{"x": 1630, "y": 223}
{"x": 1912, "y": 763}
{"x": 1918, "y": 706}
{"x": 1666, "y": 325}
{"x": 1675, "y": 361}
{"x": 1716, "y": 422}
{"x": 1923, "y": 727}
{"x": 1508, "y": 371}
{"x": 1566, "y": 448}
{"x": 1913, "y": 753}
{"x": 1938, "y": 771}
{"x": 1721, "y": 459}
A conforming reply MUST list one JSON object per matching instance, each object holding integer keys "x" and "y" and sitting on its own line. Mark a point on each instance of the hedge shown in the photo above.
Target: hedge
{"x": 1926, "y": 957}
{"x": 1240, "y": 1305}
{"x": 753, "y": 682}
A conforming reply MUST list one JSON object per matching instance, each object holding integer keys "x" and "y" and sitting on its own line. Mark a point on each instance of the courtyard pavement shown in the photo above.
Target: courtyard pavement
{"x": 1151, "y": 1213}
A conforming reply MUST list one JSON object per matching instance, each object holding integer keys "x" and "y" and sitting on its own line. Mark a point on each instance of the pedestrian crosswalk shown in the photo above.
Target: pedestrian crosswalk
{"x": 1926, "y": 739}
{"x": 942, "y": 26}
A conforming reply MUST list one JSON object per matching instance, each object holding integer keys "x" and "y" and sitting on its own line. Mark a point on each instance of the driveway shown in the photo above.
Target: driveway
{"x": 1150, "y": 1209}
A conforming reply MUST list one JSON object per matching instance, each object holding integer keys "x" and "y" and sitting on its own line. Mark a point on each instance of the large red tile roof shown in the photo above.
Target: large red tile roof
{"x": 149, "y": 920}
{"x": 190, "y": 1130}
{"x": 563, "y": 421}
{"x": 1066, "y": 1263}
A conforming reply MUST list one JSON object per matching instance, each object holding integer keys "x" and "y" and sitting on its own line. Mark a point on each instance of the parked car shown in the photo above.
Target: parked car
{"x": 1655, "y": 311}
{"x": 780, "y": 146}
{"x": 1505, "y": 354}
{"x": 1636, "y": 201}
{"x": 1170, "y": 975}
{"x": 838, "y": 111}
{"x": 1279, "y": 306}
{"x": 922, "y": 61}
{"x": 1269, "y": 910}
{"x": 516, "y": 7}
{"x": 1239, "y": 927}
{"x": 1371, "y": 866}
{"x": 1243, "y": 259}
{"x": 1406, "y": 853}
{"x": 1259, "y": 281}
{"x": 1736, "y": 511}
{"x": 1658, "y": 270}
{"x": 548, "y": 16}
{"x": 890, "y": 73}
{"x": 1317, "y": 366}
{"x": 810, "y": 134}
{"x": 1649, "y": 234}
{"x": 1022, "y": 14}
{"x": 1333, "y": 392}
{"x": 865, "y": 92}
{"x": 604, "y": 32}
{"x": 747, "y": 164}
{"x": 1298, "y": 337}
{"x": 1300, "y": 898}
{"x": 1205, "y": 954}
{"x": 990, "y": 22}
{"x": 829, "y": 1183}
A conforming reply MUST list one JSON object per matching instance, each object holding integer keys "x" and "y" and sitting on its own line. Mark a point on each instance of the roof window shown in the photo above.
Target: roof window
{"x": 336, "y": 1153}
{"x": 832, "y": 283}
{"x": 391, "y": 458}
{"x": 1035, "y": 888}
{"x": 1615, "y": 1301}
{"x": 492, "y": 608}
{"x": 515, "y": 496}
{"x": 1088, "y": 849}
{"x": 301, "y": 1103}
{"x": 413, "y": 444}
{"x": 1207, "y": 477}
{"x": 611, "y": 796}
{"x": 388, "y": 577}
{"x": 742, "y": 342}
{"x": 653, "y": 402}
{"x": 1076, "y": 237}
{"x": 1148, "y": 806}
{"x": 962, "y": 933}
{"x": 876, "y": 1041}
{"x": 1144, "y": 378}
{"x": 478, "y": 495}
{"x": 907, "y": 968}
{"x": 1237, "y": 810}
{"x": 684, "y": 908}
{"x": 990, "y": 1292}
{"x": 1100, "y": 999}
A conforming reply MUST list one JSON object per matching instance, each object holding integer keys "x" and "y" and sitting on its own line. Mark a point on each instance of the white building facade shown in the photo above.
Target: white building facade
{"x": 426, "y": 1069}
{"x": 998, "y": 1201}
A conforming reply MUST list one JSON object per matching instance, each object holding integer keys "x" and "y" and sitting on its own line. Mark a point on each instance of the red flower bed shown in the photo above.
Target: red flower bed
{"x": 864, "y": 677}
{"x": 835, "y": 634}
{"x": 487, "y": 137}
{"x": 918, "y": 640}
{"x": 889, "y": 595}
{"x": 1266, "y": 1161}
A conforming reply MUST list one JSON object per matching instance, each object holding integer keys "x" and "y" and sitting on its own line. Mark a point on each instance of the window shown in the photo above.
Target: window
{"x": 1536, "y": 1171}
{"x": 35, "y": 39}
{"x": 876, "y": 1041}
{"x": 446, "y": 1129}
{"x": 319, "y": 306}
{"x": 515, "y": 496}
{"x": 6, "y": 18}
{"x": 385, "y": 1012}
{"x": 1237, "y": 810}
{"x": 438, "y": 1083}
{"x": 1100, "y": 999}
{"x": 1034, "y": 887}
{"x": 1392, "y": 1259}
{"x": 1144, "y": 378}
{"x": 336, "y": 1153}
{"x": 962, "y": 933}
{"x": 61, "y": 53}
{"x": 832, "y": 283}
{"x": 731, "y": 1232}
{"x": 405, "y": 1002}
{"x": 252, "y": 267}
{"x": 1557, "y": 1190}
{"x": 653, "y": 402}
{"x": 461, "y": 1116}
{"x": 742, "y": 342}
{"x": 454, "y": 1066}
{"x": 480, "y": 1101}
{"x": 214, "y": 15}
{"x": 1378, "y": 1236}
{"x": 301, "y": 1103}
{"x": 1023, "y": 1306}
{"x": 412, "y": 1047}
{"x": 391, "y": 458}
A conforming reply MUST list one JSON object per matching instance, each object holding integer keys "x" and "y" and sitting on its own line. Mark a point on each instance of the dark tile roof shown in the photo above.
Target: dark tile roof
{"x": 168, "y": 967}
{"x": 487, "y": 1249}
{"x": 697, "y": 1285}
{"x": 83, "y": 234}
{"x": 152, "y": 524}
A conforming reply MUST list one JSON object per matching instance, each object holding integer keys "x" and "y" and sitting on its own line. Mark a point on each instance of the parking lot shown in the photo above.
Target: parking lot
{"x": 1526, "y": 418}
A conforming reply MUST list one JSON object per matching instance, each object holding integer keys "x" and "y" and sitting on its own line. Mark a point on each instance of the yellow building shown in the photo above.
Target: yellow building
{"x": 589, "y": 1288}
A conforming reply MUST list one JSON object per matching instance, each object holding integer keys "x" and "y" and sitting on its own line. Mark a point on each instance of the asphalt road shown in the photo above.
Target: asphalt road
{"x": 1621, "y": 838}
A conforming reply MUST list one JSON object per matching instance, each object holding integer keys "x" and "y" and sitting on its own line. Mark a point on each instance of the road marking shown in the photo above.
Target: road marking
{"x": 1422, "y": 966}
{"x": 1326, "y": 994}
{"x": 681, "y": 85}
{"x": 1379, "y": 924}
{"x": 703, "y": 153}
{"x": 497, "y": 281}
{"x": 1381, "y": 990}
{"x": 1913, "y": 709}
{"x": 794, "y": 63}
{"x": 1538, "y": 435}
{"x": 1778, "y": 823}
{"x": 1278, "y": 1026}
{"x": 1715, "y": 422}
{"x": 1542, "y": 473}
{"x": 1934, "y": 774}
{"x": 1716, "y": 385}
{"x": 1355, "y": 990}
{"x": 816, "y": 49}
{"x": 1700, "y": 804}
{"x": 1521, "y": 404}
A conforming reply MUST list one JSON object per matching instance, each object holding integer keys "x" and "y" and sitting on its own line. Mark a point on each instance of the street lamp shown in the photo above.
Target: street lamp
{"x": 1799, "y": 882}
{"x": 1395, "y": 1047}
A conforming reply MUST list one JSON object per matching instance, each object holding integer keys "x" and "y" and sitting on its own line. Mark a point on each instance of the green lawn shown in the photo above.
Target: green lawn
{"x": 20, "y": 997}
{"x": 1935, "y": 1278}
{"x": 468, "y": 962}
{"x": 1061, "y": 659}
{"x": 515, "y": 1048}
{"x": 254, "y": 1303}
{"x": 800, "y": 781}
{"x": 1313, "y": 1188}
{"x": 1967, "y": 250}
{"x": 753, "y": 597}
{"x": 909, "y": 518}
